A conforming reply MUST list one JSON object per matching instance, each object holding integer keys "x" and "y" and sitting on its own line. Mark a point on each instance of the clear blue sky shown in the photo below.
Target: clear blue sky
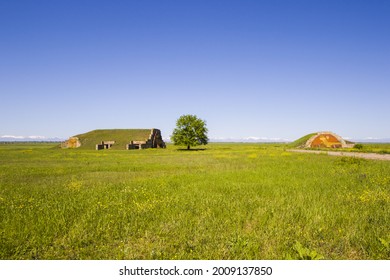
{"x": 277, "y": 69}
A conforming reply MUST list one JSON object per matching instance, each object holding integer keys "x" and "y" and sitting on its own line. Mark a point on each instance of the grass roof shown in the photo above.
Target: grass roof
{"x": 301, "y": 141}
{"x": 120, "y": 136}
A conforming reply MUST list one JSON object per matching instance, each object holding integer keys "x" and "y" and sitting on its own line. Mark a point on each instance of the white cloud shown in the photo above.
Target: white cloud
{"x": 37, "y": 137}
{"x": 12, "y": 137}
{"x": 34, "y": 137}
{"x": 253, "y": 138}
{"x": 248, "y": 139}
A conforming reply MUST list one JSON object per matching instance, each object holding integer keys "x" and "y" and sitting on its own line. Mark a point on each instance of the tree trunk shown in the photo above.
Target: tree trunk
{"x": 188, "y": 147}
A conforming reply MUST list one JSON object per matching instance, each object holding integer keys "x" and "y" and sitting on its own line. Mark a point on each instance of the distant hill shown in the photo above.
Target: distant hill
{"x": 120, "y": 136}
{"x": 372, "y": 140}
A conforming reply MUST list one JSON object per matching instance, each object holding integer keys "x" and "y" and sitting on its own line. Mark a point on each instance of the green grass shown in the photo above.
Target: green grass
{"x": 230, "y": 201}
{"x": 381, "y": 148}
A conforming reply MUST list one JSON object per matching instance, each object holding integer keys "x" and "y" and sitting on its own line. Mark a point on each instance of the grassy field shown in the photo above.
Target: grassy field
{"x": 380, "y": 148}
{"x": 230, "y": 201}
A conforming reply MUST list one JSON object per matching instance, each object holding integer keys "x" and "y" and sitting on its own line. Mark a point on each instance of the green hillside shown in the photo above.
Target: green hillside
{"x": 301, "y": 141}
{"x": 120, "y": 136}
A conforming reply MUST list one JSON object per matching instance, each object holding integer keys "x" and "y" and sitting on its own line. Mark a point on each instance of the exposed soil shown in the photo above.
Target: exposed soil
{"x": 346, "y": 154}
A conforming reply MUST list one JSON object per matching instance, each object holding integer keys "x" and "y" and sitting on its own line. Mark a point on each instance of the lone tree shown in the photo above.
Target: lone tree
{"x": 190, "y": 131}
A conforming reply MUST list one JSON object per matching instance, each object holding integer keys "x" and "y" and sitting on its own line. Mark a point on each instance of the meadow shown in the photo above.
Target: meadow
{"x": 229, "y": 201}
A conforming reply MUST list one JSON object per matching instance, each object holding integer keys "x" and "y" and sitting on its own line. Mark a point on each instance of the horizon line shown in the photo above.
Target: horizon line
{"x": 251, "y": 139}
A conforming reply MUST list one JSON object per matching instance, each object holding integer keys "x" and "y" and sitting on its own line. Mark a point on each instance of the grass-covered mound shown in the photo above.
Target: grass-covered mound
{"x": 301, "y": 141}
{"x": 120, "y": 136}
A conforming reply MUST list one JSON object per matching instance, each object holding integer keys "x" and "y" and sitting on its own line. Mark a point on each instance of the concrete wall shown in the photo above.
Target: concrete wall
{"x": 154, "y": 141}
{"x": 72, "y": 142}
{"x": 326, "y": 139}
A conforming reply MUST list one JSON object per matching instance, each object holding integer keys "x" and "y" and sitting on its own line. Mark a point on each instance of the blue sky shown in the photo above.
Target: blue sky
{"x": 271, "y": 69}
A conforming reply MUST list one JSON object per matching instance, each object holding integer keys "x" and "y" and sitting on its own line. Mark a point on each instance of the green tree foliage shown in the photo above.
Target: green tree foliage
{"x": 190, "y": 131}
{"x": 358, "y": 146}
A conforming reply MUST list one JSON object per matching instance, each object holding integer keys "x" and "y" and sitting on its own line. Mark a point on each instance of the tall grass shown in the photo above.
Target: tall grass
{"x": 230, "y": 201}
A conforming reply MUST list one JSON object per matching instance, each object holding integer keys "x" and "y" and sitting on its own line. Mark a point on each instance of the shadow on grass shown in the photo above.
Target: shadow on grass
{"x": 191, "y": 150}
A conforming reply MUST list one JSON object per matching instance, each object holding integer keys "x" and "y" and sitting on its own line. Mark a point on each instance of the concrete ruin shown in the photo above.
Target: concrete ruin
{"x": 327, "y": 139}
{"x": 104, "y": 145}
{"x": 72, "y": 142}
{"x": 154, "y": 141}
{"x": 116, "y": 139}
